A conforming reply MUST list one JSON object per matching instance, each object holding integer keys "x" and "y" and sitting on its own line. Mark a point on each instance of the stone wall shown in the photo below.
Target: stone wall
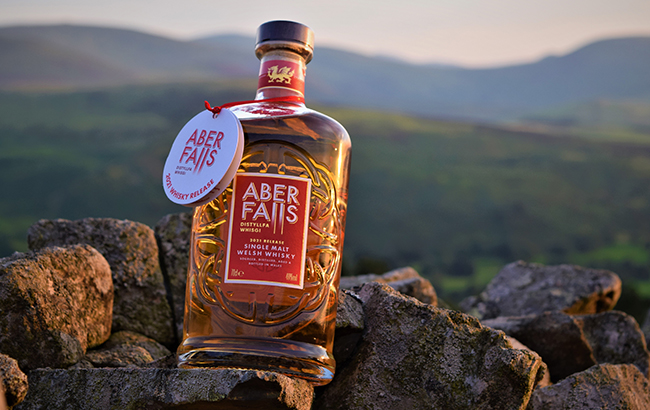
{"x": 91, "y": 316}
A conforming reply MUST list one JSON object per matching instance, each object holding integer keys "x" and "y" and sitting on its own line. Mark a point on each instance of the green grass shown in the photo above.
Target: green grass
{"x": 456, "y": 287}
{"x": 14, "y": 230}
{"x": 618, "y": 253}
{"x": 456, "y": 200}
{"x": 604, "y": 120}
{"x": 454, "y": 284}
{"x": 642, "y": 288}
{"x": 484, "y": 270}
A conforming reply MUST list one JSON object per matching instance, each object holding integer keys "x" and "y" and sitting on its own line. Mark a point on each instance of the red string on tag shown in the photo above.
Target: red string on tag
{"x": 290, "y": 98}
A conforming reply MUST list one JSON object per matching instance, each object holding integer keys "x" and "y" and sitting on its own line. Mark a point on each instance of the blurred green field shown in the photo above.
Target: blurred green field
{"x": 456, "y": 201}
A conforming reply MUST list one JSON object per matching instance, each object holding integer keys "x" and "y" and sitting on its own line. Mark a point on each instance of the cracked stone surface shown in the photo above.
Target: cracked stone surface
{"x": 13, "y": 382}
{"x": 522, "y": 288}
{"x": 131, "y": 250}
{"x": 188, "y": 389}
{"x": 416, "y": 356}
{"x": 570, "y": 344}
{"x": 605, "y": 386}
{"x": 54, "y": 304}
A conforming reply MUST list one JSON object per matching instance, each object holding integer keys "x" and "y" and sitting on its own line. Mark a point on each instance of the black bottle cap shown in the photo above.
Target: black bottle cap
{"x": 282, "y": 30}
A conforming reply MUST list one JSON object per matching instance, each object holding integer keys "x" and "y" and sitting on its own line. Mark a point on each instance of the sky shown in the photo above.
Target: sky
{"x": 471, "y": 33}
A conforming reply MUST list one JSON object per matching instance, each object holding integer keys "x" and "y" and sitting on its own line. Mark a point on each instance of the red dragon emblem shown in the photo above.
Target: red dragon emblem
{"x": 282, "y": 75}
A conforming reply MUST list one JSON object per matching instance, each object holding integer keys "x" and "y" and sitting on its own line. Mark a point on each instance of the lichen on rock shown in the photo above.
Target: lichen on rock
{"x": 569, "y": 344}
{"x": 136, "y": 388}
{"x": 130, "y": 248}
{"x": 522, "y": 288}
{"x": 54, "y": 304}
{"x": 604, "y": 386}
{"x": 13, "y": 382}
{"x": 173, "y": 233}
{"x": 126, "y": 349}
{"x": 404, "y": 280}
{"x": 413, "y": 355}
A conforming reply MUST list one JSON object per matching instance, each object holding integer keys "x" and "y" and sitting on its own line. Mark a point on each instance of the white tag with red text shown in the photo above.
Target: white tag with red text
{"x": 204, "y": 158}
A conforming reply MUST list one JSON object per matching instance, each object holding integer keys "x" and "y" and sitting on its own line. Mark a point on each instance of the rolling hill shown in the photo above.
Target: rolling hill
{"x": 89, "y": 114}
{"x": 78, "y": 56}
{"x": 130, "y": 56}
{"x": 455, "y": 200}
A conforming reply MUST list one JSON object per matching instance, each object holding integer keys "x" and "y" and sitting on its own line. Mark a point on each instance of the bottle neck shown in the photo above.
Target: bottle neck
{"x": 282, "y": 74}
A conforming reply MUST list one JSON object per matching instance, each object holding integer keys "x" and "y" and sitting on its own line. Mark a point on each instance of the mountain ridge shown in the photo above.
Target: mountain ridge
{"x": 87, "y": 56}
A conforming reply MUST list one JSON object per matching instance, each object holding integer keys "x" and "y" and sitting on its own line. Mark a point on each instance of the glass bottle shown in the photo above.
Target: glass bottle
{"x": 265, "y": 256}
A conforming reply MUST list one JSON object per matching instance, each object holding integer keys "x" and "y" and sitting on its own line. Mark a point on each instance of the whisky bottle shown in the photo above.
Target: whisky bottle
{"x": 265, "y": 258}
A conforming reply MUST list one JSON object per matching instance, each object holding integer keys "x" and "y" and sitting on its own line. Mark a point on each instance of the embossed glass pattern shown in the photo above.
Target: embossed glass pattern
{"x": 267, "y": 327}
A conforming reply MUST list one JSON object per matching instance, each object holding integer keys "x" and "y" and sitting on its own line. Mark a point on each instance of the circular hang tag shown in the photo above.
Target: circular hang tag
{"x": 204, "y": 158}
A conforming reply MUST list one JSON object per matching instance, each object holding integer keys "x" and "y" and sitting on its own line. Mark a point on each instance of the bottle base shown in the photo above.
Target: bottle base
{"x": 294, "y": 359}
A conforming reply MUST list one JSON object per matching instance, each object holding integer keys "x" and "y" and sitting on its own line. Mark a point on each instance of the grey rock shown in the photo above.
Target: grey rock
{"x": 167, "y": 362}
{"x": 130, "y": 248}
{"x": 54, "y": 304}
{"x": 349, "y": 312}
{"x": 349, "y": 326}
{"x": 404, "y": 280}
{"x": 604, "y": 386}
{"x": 119, "y": 356}
{"x": 546, "y": 378}
{"x": 13, "y": 382}
{"x": 555, "y": 336}
{"x": 155, "y": 349}
{"x": 126, "y": 349}
{"x": 570, "y": 344}
{"x": 173, "y": 233}
{"x": 131, "y": 388}
{"x": 82, "y": 364}
{"x": 351, "y": 282}
{"x": 417, "y": 356}
{"x": 616, "y": 338}
{"x": 521, "y": 289}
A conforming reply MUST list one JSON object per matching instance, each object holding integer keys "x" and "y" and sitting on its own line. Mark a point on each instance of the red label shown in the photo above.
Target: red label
{"x": 282, "y": 74}
{"x": 268, "y": 230}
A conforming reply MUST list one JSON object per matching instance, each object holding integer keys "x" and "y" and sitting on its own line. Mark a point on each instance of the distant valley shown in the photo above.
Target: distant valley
{"x": 72, "y": 57}
{"x": 455, "y": 172}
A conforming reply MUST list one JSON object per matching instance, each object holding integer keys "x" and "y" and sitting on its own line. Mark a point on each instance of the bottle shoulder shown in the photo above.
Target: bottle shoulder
{"x": 285, "y": 118}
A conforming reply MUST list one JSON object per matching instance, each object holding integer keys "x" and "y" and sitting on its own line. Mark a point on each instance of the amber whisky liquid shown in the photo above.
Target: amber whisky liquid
{"x": 260, "y": 326}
